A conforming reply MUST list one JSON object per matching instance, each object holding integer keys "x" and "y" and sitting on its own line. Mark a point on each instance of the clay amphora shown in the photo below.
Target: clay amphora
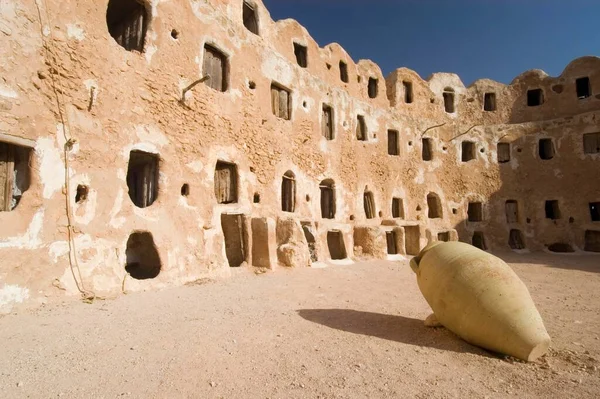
{"x": 480, "y": 298}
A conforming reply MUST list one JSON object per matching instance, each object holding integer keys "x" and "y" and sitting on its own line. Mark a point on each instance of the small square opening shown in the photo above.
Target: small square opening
{"x": 591, "y": 143}
{"x": 397, "y": 208}
{"x": 468, "y": 151}
{"x": 552, "y": 210}
{"x": 535, "y": 97}
{"x": 475, "y": 212}
{"x": 444, "y": 236}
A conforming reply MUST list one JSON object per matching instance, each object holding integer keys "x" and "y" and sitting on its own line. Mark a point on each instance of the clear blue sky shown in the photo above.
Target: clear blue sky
{"x": 496, "y": 39}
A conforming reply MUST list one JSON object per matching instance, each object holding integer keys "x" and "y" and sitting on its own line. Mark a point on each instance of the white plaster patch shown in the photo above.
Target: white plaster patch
{"x": 149, "y": 52}
{"x": 52, "y": 169}
{"x": 58, "y": 249}
{"x": 277, "y": 68}
{"x": 74, "y": 31}
{"x": 30, "y": 239}
{"x": 11, "y": 295}
{"x": 8, "y": 92}
{"x": 117, "y": 222}
{"x": 196, "y": 166}
{"x": 420, "y": 178}
{"x": 152, "y": 134}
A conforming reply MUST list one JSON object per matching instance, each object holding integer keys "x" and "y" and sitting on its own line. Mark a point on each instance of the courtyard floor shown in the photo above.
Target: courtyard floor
{"x": 351, "y": 331}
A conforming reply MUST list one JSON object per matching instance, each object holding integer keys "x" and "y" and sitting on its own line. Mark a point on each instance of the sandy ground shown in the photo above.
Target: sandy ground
{"x": 352, "y": 331}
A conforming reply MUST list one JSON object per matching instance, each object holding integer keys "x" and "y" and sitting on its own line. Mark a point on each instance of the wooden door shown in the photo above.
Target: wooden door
{"x": 7, "y": 167}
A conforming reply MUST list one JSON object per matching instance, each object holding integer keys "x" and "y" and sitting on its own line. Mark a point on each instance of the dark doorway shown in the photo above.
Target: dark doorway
{"x": 335, "y": 243}
{"x": 515, "y": 239}
{"x": 234, "y": 231}
{"x": 143, "y": 261}
{"x": 310, "y": 239}
{"x": 392, "y": 248}
{"x": 412, "y": 236}
{"x": 478, "y": 240}
{"x": 327, "y": 199}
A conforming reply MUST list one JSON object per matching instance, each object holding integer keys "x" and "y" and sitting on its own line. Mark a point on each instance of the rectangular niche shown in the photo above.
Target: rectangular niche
{"x": 393, "y": 142}
{"x": 344, "y": 72}
{"x": 595, "y": 211}
{"x": 14, "y": 175}
{"x": 535, "y": 97}
{"x": 584, "y": 89}
{"x": 327, "y": 122}
{"x": 369, "y": 205}
{"x": 412, "y": 237}
{"x": 467, "y": 151}
{"x": 489, "y": 102}
{"x": 226, "y": 180}
{"x": 142, "y": 178}
{"x": 408, "y": 92}
{"x": 301, "y": 53}
{"x": 335, "y": 243}
{"x": 215, "y": 66}
{"x": 260, "y": 242}
{"x": 281, "y": 102}
{"x": 392, "y": 248}
{"x": 552, "y": 209}
{"x": 373, "y": 87}
{"x": 449, "y": 100}
{"x": 591, "y": 143}
{"x": 250, "y": 18}
{"x": 503, "y": 150}
{"x": 427, "y": 150}
{"x": 397, "y": 208}
{"x": 234, "y": 231}
{"x": 361, "y": 128}
{"x": 475, "y": 212}
{"x": 478, "y": 240}
{"x": 546, "y": 149}
{"x": 592, "y": 241}
{"x": 512, "y": 211}
{"x": 444, "y": 236}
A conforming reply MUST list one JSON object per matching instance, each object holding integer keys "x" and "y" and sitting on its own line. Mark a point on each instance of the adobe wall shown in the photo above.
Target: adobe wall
{"x": 83, "y": 103}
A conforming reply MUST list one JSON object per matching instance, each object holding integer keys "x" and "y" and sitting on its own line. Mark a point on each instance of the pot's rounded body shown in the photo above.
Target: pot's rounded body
{"x": 480, "y": 298}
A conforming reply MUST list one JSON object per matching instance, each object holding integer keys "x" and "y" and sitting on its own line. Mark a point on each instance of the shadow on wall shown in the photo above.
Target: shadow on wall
{"x": 390, "y": 327}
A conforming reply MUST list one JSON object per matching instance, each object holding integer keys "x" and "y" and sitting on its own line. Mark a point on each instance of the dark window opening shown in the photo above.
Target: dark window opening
{"x": 369, "y": 204}
{"x": 82, "y": 193}
{"x": 535, "y": 97}
{"x": 250, "y": 18}
{"x": 397, "y": 208}
{"x": 226, "y": 180}
{"x": 373, "y": 87}
{"x": 174, "y": 34}
{"x": 444, "y": 236}
{"x": 503, "y": 152}
{"x": 449, "y": 100}
{"x": 392, "y": 247}
{"x": 592, "y": 241}
{"x": 288, "y": 192}
{"x": 256, "y": 198}
{"x": 393, "y": 142}
{"x": 560, "y": 247}
{"x": 344, "y": 72}
{"x": 14, "y": 175}
{"x": 234, "y": 232}
{"x": 327, "y": 122}
{"x": 468, "y": 151}
{"x": 127, "y": 22}
{"x": 281, "y": 102}
{"x": 546, "y": 149}
{"x": 475, "y": 212}
{"x": 311, "y": 240}
{"x": 327, "y": 199}
{"x": 408, "y": 92}
{"x": 215, "y": 66}
{"x": 478, "y": 240}
{"x": 552, "y": 210}
{"x": 185, "y": 190}
{"x": 583, "y": 87}
{"x": 595, "y": 211}
{"x": 335, "y": 243}
{"x": 143, "y": 261}
{"x": 512, "y": 211}
{"x": 142, "y": 178}
{"x": 301, "y": 53}
{"x": 489, "y": 102}
{"x": 515, "y": 239}
{"x": 434, "y": 206}
{"x": 427, "y": 150}
{"x": 591, "y": 143}
{"x": 361, "y": 128}
{"x": 412, "y": 240}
